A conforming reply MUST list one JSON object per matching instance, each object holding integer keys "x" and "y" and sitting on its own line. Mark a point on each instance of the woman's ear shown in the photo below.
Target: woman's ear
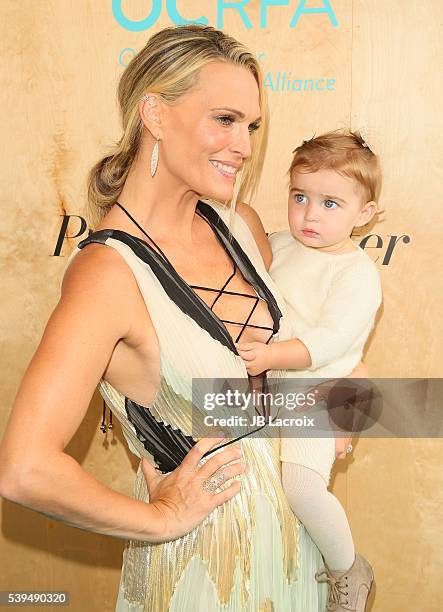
{"x": 151, "y": 114}
{"x": 366, "y": 213}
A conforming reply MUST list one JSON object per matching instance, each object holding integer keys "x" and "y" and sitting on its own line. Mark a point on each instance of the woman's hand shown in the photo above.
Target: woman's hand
{"x": 179, "y": 498}
{"x": 341, "y": 444}
{"x": 256, "y": 355}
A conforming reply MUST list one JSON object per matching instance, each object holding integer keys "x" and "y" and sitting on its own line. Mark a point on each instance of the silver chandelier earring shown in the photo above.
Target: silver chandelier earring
{"x": 154, "y": 157}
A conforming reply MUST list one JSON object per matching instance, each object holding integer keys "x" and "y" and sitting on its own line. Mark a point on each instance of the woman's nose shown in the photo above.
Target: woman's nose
{"x": 242, "y": 144}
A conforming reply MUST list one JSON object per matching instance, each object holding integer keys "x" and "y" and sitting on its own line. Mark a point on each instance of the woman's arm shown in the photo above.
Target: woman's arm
{"x": 90, "y": 318}
{"x": 250, "y": 216}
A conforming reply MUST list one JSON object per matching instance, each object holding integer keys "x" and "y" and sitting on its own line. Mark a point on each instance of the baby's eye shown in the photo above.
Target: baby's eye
{"x": 300, "y": 198}
{"x": 225, "y": 119}
{"x": 330, "y": 204}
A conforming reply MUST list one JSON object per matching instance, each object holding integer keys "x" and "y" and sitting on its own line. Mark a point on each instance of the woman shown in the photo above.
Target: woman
{"x": 163, "y": 306}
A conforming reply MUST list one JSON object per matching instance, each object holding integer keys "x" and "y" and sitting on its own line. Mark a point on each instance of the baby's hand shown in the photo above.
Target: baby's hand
{"x": 256, "y": 356}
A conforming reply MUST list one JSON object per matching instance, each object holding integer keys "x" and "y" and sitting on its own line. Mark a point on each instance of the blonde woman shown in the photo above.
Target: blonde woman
{"x": 155, "y": 297}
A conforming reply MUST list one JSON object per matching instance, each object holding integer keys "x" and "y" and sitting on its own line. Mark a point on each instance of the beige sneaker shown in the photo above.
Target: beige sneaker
{"x": 348, "y": 591}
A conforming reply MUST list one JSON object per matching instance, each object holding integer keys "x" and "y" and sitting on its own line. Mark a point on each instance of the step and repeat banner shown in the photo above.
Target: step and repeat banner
{"x": 369, "y": 65}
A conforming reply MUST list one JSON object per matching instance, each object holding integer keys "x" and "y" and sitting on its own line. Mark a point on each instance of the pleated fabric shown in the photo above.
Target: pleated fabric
{"x": 250, "y": 554}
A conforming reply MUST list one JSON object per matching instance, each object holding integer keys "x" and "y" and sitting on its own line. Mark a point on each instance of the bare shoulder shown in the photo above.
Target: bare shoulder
{"x": 94, "y": 262}
{"x": 100, "y": 280}
{"x": 252, "y": 219}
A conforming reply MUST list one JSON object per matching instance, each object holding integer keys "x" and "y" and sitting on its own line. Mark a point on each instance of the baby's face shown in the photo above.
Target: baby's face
{"x": 324, "y": 207}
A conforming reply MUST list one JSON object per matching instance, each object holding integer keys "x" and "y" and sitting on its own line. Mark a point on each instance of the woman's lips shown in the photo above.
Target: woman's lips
{"x": 225, "y": 170}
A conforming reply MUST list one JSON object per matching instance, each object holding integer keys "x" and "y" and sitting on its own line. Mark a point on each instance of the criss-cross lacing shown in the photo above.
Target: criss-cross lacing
{"x": 338, "y": 589}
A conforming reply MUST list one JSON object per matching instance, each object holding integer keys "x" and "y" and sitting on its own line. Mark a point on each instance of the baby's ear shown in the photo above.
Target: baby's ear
{"x": 366, "y": 213}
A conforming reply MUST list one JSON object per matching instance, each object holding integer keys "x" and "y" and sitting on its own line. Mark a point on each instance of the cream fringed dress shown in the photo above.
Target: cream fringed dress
{"x": 250, "y": 554}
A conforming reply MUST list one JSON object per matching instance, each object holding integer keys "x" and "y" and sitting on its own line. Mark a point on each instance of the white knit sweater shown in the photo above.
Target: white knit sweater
{"x": 332, "y": 301}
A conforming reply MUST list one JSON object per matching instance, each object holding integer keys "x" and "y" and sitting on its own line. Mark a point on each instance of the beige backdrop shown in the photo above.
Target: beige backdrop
{"x": 60, "y": 68}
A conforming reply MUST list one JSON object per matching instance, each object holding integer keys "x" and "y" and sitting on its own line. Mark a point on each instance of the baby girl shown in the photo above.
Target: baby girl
{"x": 332, "y": 289}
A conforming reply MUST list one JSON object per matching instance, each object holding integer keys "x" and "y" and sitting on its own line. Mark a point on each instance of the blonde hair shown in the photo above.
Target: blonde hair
{"x": 169, "y": 66}
{"x": 346, "y": 152}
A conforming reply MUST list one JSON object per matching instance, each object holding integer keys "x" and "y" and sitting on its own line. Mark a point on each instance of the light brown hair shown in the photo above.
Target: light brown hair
{"x": 169, "y": 66}
{"x": 346, "y": 152}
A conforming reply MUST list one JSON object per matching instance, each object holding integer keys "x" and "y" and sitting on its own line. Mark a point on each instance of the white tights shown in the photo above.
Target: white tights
{"x": 321, "y": 513}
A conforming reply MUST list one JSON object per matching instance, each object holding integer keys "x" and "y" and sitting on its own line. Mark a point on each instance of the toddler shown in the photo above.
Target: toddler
{"x": 332, "y": 289}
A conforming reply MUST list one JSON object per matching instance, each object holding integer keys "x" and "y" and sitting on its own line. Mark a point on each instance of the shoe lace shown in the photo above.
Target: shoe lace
{"x": 337, "y": 592}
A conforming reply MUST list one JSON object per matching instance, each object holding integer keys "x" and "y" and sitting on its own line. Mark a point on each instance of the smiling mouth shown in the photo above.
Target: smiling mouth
{"x": 224, "y": 169}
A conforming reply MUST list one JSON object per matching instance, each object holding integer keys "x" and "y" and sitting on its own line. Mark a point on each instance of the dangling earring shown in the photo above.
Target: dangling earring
{"x": 154, "y": 158}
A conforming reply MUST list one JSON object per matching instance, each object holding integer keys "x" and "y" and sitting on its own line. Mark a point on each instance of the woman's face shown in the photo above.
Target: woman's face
{"x": 206, "y": 134}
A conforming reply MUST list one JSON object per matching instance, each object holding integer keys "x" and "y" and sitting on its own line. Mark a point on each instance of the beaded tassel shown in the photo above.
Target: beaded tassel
{"x": 104, "y": 427}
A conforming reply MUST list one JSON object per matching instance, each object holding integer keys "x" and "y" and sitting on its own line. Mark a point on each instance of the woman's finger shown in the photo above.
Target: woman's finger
{"x": 226, "y": 494}
{"x": 226, "y": 474}
{"x": 235, "y": 469}
{"x": 190, "y": 462}
{"x": 217, "y": 461}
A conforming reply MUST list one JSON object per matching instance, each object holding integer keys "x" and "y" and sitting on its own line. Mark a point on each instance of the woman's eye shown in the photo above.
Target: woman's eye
{"x": 225, "y": 120}
{"x": 299, "y": 198}
{"x": 330, "y": 204}
{"x": 253, "y": 127}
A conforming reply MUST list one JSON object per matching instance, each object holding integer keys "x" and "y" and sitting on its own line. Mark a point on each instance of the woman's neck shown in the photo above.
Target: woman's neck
{"x": 160, "y": 204}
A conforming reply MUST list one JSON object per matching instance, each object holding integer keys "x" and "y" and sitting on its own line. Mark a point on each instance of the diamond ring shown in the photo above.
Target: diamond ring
{"x": 213, "y": 483}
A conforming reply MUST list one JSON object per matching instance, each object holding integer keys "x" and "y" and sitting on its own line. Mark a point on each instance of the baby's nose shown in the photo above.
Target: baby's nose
{"x": 310, "y": 213}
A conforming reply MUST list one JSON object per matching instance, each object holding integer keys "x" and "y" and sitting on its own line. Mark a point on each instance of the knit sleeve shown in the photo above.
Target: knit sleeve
{"x": 347, "y": 314}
